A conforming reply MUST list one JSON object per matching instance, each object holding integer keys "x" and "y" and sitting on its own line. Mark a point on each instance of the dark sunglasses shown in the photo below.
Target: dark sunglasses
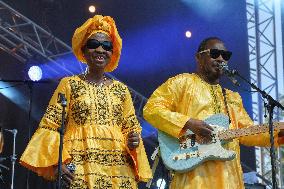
{"x": 215, "y": 53}
{"x": 93, "y": 44}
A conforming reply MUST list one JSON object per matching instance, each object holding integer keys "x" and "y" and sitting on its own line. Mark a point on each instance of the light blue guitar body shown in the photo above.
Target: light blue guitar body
{"x": 185, "y": 159}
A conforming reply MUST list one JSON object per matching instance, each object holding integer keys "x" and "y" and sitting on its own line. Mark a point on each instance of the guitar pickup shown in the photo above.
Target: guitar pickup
{"x": 186, "y": 155}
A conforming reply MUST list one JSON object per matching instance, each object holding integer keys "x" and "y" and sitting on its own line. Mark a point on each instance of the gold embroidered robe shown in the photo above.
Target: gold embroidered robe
{"x": 187, "y": 96}
{"x": 97, "y": 123}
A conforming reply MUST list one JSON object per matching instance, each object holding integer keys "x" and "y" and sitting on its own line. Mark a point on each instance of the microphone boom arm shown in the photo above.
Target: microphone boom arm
{"x": 270, "y": 106}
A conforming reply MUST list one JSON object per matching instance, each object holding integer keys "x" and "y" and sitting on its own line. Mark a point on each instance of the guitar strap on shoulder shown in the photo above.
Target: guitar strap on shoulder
{"x": 226, "y": 104}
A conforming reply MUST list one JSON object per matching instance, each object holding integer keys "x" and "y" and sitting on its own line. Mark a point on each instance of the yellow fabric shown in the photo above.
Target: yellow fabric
{"x": 97, "y": 31}
{"x": 104, "y": 24}
{"x": 187, "y": 96}
{"x": 98, "y": 121}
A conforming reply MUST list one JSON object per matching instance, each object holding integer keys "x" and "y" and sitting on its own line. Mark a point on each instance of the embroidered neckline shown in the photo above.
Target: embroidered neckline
{"x": 99, "y": 84}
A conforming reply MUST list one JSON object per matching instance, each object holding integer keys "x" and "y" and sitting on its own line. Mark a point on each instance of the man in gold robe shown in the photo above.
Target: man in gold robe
{"x": 184, "y": 101}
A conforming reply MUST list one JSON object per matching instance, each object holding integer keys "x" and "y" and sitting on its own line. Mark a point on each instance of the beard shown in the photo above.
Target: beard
{"x": 212, "y": 75}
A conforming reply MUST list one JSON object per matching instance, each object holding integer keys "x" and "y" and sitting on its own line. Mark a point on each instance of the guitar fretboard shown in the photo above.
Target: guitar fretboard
{"x": 235, "y": 133}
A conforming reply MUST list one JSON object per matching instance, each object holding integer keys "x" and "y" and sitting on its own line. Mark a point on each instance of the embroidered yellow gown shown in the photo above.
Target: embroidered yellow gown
{"x": 98, "y": 121}
{"x": 187, "y": 96}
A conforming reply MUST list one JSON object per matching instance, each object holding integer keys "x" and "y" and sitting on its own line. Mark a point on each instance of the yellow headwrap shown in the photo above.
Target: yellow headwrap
{"x": 103, "y": 24}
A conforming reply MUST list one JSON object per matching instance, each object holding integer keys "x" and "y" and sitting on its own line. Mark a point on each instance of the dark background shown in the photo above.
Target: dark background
{"x": 154, "y": 49}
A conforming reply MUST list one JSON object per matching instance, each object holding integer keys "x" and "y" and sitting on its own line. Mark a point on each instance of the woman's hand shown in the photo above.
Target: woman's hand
{"x": 201, "y": 129}
{"x": 67, "y": 177}
{"x": 133, "y": 140}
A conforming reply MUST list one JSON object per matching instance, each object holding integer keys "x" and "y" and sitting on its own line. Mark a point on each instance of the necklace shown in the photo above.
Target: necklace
{"x": 96, "y": 84}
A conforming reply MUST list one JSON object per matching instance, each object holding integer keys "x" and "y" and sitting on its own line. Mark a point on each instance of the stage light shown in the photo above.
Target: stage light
{"x": 188, "y": 34}
{"x": 207, "y": 9}
{"x": 92, "y": 9}
{"x": 161, "y": 183}
{"x": 35, "y": 73}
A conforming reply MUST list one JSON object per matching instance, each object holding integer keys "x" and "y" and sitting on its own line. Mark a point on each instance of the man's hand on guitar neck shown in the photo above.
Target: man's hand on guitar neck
{"x": 200, "y": 128}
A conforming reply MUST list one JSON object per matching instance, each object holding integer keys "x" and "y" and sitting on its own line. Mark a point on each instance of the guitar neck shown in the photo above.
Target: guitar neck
{"x": 235, "y": 133}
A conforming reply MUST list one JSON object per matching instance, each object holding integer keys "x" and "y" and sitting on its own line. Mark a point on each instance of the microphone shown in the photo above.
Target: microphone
{"x": 223, "y": 66}
{"x": 229, "y": 73}
{"x": 61, "y": 98}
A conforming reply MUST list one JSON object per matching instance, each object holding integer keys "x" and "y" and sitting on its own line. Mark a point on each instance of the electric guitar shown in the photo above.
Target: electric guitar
{"x": 186, "y": 154}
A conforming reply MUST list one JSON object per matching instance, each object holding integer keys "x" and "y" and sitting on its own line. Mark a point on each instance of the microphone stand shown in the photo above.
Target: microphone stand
{"x": 30, "y": 84}
{"x": 63, "y": 102}
{"x": 13, "y": 157}
{"x": 272, "y": 103}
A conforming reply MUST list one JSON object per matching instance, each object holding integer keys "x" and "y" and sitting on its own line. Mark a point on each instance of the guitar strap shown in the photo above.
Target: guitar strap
{"x": 155, "y": 157}
{"x": 226, "y": 104}
{"x": 154, "y": 166}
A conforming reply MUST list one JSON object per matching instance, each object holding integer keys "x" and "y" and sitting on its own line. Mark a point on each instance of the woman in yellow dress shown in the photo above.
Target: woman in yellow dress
{"x": 102, "y": 136}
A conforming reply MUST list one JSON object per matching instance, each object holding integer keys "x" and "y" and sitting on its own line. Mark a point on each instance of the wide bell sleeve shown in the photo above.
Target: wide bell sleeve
{"x": 160, "y": 108}
{"x": 41, "y": 153}
{"x": 243, "y": 121}
{"x": 138, "y": 155}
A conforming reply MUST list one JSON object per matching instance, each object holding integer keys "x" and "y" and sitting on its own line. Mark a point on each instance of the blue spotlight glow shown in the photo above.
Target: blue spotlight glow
{"x": 206, "y": 8}
{"x": 64, "y": 65}
{"x": 35, "y": 73}
{"x": 11, "y": 91}
{"x": 13, "y": 94}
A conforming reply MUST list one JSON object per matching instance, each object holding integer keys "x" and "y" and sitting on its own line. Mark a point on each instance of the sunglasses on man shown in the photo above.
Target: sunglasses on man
{"x": 93, "y": 44}
{"x": 215, "y": 53}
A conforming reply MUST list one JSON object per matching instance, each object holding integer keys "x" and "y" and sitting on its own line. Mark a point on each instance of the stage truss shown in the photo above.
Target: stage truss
{"x": 25, "y": 40}
{"x": 266, "y": 68}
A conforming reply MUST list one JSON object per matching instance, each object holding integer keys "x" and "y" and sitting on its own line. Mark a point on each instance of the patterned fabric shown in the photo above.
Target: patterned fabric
{"x": 98, "y": 119}
{"x": 188, "y": 96}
